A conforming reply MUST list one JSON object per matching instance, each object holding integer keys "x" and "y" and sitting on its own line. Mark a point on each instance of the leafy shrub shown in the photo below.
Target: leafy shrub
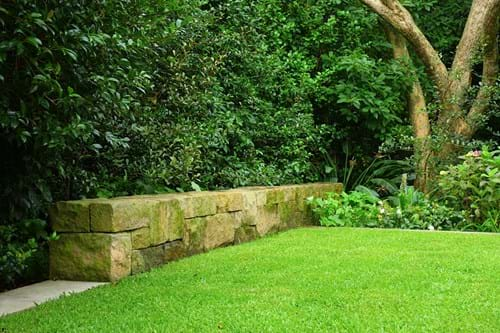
{"x": 19, "y": 249}
{"x": 406, "y": 209}
{"x": 355, "y": 209}
{"x": 473, "y": 186}
{"x": 410, "y": 209}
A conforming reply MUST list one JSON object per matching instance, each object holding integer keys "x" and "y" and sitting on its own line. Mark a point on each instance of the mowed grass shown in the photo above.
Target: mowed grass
{"x": 303, "y": 280}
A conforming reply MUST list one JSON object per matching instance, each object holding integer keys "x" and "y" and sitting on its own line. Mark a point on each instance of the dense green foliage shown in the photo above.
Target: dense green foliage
{"x": 303, "y": 280}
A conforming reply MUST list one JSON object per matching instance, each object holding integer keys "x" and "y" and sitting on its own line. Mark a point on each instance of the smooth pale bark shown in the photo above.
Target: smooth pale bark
{"x": 417, "y": 109}
{"x": 480, "y": 34}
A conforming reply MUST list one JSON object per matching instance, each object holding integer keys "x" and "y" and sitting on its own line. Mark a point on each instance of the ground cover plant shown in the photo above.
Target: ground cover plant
{"x": 310, "y": 279}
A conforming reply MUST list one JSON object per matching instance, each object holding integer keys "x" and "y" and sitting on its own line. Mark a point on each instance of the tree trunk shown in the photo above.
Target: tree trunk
{"x": 417, "y": 109}
{"x": 454, "y": 121}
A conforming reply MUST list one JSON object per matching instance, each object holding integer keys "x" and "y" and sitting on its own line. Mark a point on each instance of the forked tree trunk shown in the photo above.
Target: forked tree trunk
{"x": 452, "y": 84}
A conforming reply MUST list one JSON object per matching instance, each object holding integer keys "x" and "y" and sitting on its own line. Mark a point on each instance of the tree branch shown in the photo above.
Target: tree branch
{"x": 490, "y": 68}
{"x": 401, "y": 20}
{"x": 478, "y": 29}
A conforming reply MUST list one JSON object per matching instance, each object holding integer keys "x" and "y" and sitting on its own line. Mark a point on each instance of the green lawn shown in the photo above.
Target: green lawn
{"x": 304, "y": 280}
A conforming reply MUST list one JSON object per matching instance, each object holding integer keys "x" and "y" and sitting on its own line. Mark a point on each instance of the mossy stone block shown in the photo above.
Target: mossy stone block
{"x": 145, "y": 259}
{"x": 123, "y": 214}
{"x": 90, "y": 257}
{"x": 229, "y": 201}
{"x": 141, "y": 238}
{"x": 174, "y": 217}
{"x": 170, "y": 226}
{"x": 194, "y": 234}
{"x": 268, "y": 219}
{"x": 199, "y": 205}
{"x": 287, "y": 214}
{"x": 219, "y": 231}
{"x": 70, "y": 216}
{"x": 322, "y": 189}
{"x": 302, "y": 193}
{"x": 275, "y": 196}
{"x": 245, "y": 233}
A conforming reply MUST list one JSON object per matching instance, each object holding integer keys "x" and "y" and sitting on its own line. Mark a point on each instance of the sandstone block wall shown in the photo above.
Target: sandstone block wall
{"x": 108, "y": 239}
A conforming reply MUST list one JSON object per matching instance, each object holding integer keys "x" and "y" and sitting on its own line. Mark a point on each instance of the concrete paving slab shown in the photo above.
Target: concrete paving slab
{"x": 29, "y": 296}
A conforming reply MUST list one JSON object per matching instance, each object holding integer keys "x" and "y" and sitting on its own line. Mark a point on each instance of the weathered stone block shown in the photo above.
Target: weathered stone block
{"x": 194, "y": 234}
{"x": 219, "y": 231}
{"x": 302, "y": 193}
{"x": 91, "y": 256}
{"x": 268, "y": 219}
{"x": 316, "y": 189}
{"x": 306, "y": 217}
{"x": 170, "y": 225}
{"x": 253, "y": 197}
{"x": 174, "y": 218}
{"x": 141, "y": 238}
{"x": 229, "y": 201}
{"x": 123, "y": 214}
{"x": 260, "y": 197}
{"x": 322, "y": 189}
{"x": 237, "y": 218}
{"x": 145, "y": 259}
{"x": 275, "y": 196}
{"x": 288, "y": 214}
{"x": 245, "y": 233}
{"x": 289, "y": 192}
{"x": 70, "y": 216}
{"x": 199, "y": 204}
{"x": 247, "y": 217}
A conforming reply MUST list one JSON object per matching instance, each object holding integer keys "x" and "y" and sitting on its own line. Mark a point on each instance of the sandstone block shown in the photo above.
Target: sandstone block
{"x": 194, "y": 234}
{"x": 170, "y": 225}
{"x": 70, "y": 216}
{"x": 275, "y": 195}
{"x": 219, "y": 231}
{"x": 229, "y": 201}
{"x": 145, "y": 259}
{"x": 174, "y": 217}
{"x": 199, "y": 204}
{"x": 141, "y": 238}
{"x": 289, "y": 192}
{"x": 245, "y": 233}
{"x": 123, "y": 214}
{"x": 288, "y": 214}
{"x": 268, "y": 219}
{"x": 90, "y": 257}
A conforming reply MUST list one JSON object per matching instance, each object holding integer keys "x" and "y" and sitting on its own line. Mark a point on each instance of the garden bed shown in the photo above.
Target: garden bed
{"x": 309, "y": 279}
